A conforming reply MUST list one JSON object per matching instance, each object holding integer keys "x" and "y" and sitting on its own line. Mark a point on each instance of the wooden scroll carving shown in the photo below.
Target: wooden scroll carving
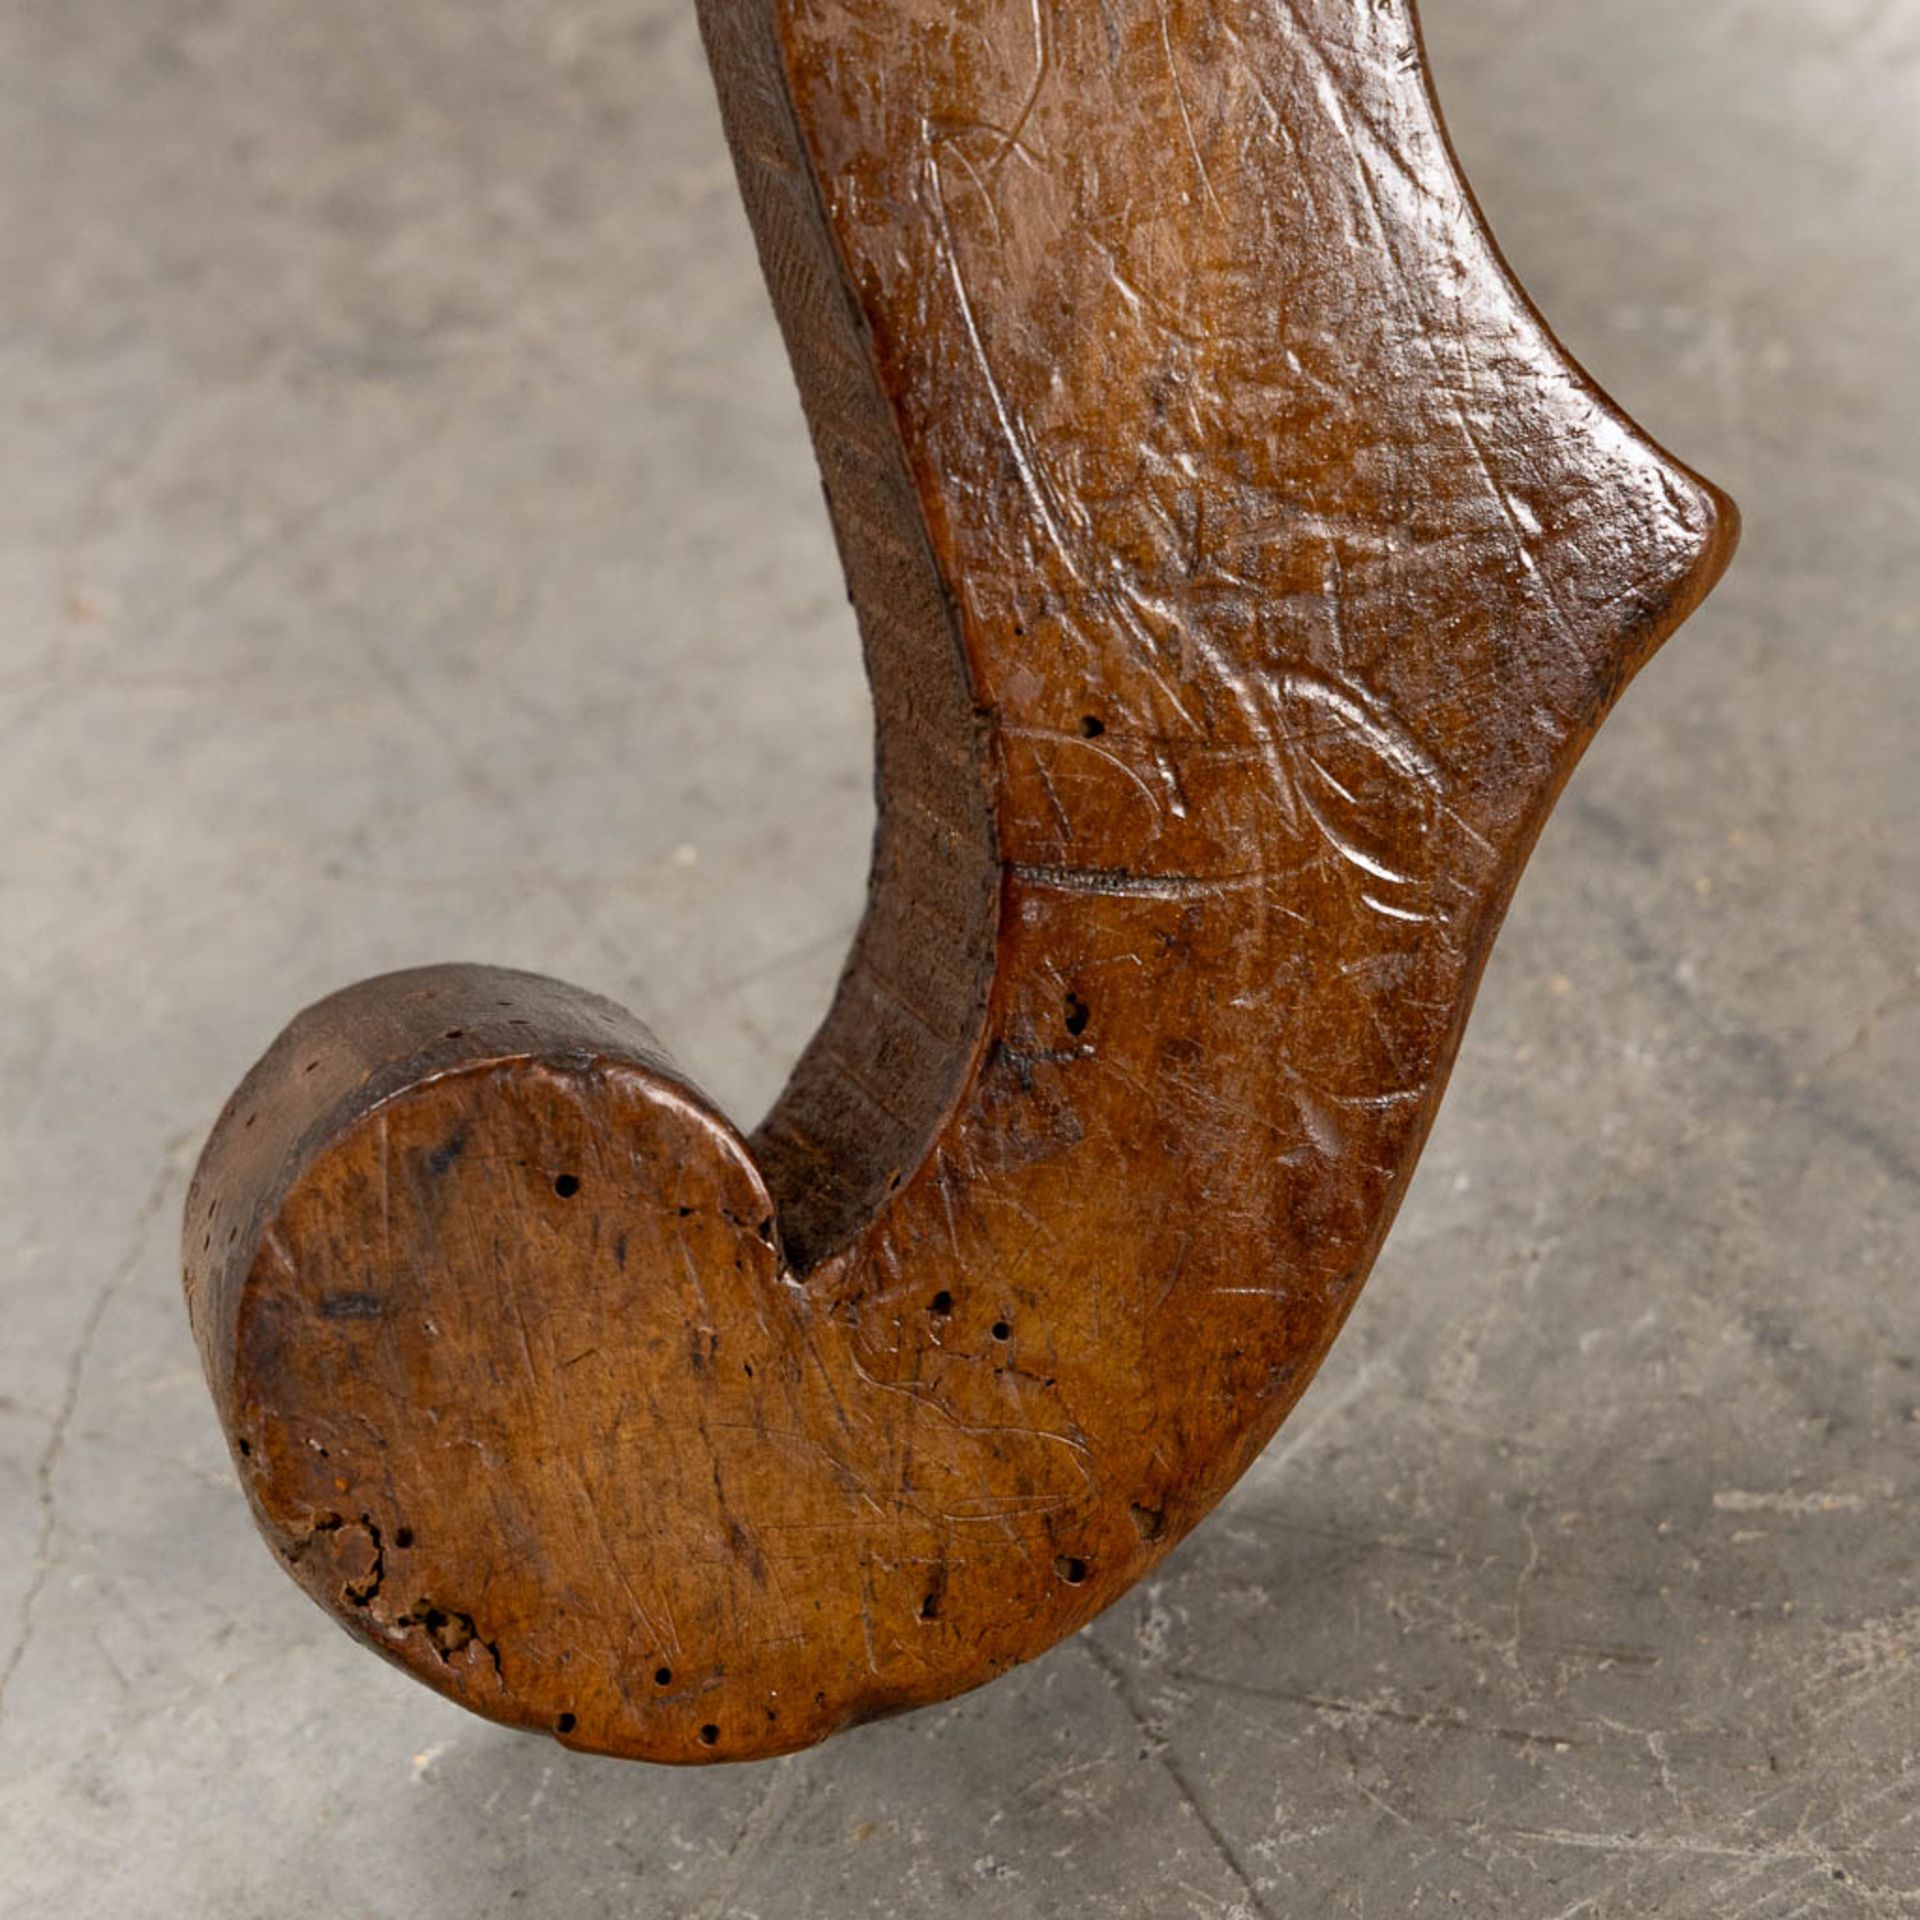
{"x": 1241, "y": 568}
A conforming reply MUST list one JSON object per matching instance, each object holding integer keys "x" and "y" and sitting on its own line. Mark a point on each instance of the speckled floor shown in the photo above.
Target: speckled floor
{"x": 409, "y": 550}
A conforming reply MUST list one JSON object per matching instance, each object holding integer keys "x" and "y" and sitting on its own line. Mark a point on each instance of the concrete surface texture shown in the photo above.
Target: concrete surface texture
{"x": 409, "y": 550}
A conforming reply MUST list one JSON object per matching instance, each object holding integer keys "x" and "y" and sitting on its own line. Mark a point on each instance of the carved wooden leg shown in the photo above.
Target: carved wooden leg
{"x": 1242, "y": 569}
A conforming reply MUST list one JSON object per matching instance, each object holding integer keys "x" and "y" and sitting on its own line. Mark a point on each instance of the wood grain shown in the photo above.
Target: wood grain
{"x": 1241, "y": 569}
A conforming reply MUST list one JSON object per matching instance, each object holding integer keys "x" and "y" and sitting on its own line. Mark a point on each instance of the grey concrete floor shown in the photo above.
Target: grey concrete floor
{"x": 409, "y": 550}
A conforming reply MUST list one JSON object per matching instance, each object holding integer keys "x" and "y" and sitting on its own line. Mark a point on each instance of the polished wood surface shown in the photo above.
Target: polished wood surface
{"x": 1242, "y": 569}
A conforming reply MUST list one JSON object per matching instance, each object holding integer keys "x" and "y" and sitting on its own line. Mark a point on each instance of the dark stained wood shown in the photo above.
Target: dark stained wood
{"x": 1242, "y": 569}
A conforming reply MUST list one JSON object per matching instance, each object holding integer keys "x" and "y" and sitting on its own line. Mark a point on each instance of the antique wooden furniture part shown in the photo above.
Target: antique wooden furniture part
{"x": 1241, "y": 568}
